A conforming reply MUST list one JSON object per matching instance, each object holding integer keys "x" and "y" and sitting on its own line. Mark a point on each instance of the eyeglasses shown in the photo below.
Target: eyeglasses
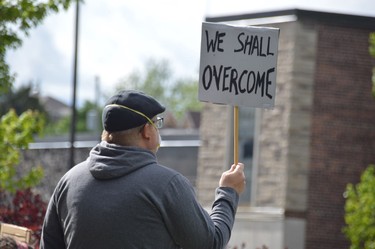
{"x": 158, "y": 123}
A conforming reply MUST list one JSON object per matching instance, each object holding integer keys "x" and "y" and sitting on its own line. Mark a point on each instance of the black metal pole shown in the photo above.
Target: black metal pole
{"x": 74, "y": 112}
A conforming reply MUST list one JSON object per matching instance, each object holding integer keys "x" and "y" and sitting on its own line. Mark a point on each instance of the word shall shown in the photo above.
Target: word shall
{"x": 228, "y": 79}
{"x": 248, "y": 44}
{"x": 253, "y": 44}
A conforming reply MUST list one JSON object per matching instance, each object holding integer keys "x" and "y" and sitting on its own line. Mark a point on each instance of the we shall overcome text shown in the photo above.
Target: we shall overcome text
{"x": 237, "y": 63}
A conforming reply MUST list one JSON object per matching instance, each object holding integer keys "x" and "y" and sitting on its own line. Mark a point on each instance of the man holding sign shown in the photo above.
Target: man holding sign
{"x": 121, "y": 197}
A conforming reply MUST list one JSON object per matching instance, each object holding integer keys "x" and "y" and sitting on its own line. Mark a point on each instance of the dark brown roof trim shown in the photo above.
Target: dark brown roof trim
{"x": 357, "y": 21}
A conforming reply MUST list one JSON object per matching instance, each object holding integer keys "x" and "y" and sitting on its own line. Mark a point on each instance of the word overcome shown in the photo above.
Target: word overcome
{"x": 228, "y": 79}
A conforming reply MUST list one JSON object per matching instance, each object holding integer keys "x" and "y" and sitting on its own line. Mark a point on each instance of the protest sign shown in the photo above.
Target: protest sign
{"x": 238, "y": 65}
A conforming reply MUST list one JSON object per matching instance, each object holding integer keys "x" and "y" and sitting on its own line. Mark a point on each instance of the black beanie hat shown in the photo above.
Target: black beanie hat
{"x": 127, "y": 109}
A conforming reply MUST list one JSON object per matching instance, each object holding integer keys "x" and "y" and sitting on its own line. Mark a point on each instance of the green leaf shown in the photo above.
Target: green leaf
{"x": 18, "y": 17}
{"x": 17, "y": 132}
{"x": 360, "y": 211}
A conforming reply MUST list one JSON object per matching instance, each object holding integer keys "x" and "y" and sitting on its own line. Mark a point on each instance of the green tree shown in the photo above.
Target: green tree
{"x": 62, "y": 126}
{"x": 16, "y": 132}
{"x": 83, "y": 114}
{"x": 156, "y": 76}
{"x": 179, "y": 95}
{"x": 360, "y": 211}
{"x": 17, "y": 18}
{"x": 372, "y": 53}
{"x": 184, "y": 97}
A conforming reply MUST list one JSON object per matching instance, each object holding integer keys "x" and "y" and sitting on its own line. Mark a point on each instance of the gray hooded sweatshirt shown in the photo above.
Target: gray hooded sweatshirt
{"x": 120, "y": 197}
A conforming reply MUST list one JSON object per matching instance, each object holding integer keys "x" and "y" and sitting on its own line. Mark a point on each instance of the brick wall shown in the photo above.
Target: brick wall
{"x": 343, "y": 130}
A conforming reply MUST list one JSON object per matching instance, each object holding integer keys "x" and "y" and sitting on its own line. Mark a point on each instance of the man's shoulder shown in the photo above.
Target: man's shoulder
{"x": 162, "y": 170}
{"x": 162, "y": 173}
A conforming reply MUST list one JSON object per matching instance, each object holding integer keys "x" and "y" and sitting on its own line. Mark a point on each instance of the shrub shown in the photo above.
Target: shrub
{"x": 360, "y": 211}
{"x": 25, "y": 209}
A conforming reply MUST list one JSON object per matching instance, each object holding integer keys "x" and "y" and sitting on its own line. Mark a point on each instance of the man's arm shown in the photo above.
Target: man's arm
{"x": 190, "y": 225}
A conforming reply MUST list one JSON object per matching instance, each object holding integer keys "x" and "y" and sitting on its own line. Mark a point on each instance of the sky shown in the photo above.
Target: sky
{"x": 118, "y": 37}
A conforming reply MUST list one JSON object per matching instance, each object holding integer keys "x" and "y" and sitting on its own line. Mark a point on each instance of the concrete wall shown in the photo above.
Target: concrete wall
{"x": 55, "y": 162}
{"x": 213, "y": 152}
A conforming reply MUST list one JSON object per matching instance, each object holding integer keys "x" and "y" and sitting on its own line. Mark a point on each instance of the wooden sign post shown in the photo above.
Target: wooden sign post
{"x": 235, "y": 134}
{"x": 238, "y": 67}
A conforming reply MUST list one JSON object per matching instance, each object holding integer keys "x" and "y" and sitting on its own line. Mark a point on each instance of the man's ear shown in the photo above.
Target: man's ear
{"x": 146, "y": 131}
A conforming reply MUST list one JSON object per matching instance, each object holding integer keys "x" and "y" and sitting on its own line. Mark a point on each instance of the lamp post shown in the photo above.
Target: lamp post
{"x": 74, "y": 113}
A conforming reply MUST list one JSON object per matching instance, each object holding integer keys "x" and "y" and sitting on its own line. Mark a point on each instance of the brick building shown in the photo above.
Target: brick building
{"x": 319, "y": 137}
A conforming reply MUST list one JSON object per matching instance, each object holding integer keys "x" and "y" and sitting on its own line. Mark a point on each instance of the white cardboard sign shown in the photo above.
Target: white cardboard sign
{"x": 238, "y": 65}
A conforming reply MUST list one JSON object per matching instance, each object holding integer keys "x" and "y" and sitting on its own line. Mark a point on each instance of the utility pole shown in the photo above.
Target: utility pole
{"x": 74, "y": 112}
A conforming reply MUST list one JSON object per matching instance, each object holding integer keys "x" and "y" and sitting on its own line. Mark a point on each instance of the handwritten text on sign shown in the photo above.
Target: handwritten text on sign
{"x": 238, "y": 65}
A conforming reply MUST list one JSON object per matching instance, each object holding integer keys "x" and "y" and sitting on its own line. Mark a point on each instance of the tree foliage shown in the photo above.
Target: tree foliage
{"x": 360, "y": 211}
{"x": 184, "y": 97}
{"x": 17, "y": 18}
{"x": 178, "y": 95}
{"x": 153, "y": 80}
{"x": 62, "y": 126}
{"x": 372, "y": 53}
{"x": 16, "y": 132}
{"x": 18, "y": 204}
{"x": 27, "y": 209}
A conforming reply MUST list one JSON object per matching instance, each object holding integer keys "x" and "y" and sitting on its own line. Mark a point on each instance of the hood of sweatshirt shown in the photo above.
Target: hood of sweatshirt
{"x": 109, "y": 161}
